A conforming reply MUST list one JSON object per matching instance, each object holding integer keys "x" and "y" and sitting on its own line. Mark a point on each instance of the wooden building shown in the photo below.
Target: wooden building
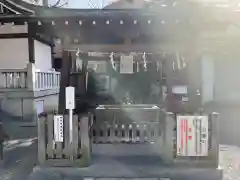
{"x": 204, "y": 35}
{"x": 29, "y": 85}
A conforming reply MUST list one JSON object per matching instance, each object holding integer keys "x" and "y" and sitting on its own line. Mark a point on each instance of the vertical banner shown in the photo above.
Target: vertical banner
{"x": 58, "y": 128}
{"x": 126, "y": 64}
{"x": 192, "y": 135}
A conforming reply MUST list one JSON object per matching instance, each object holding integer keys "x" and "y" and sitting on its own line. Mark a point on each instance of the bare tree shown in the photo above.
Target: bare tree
{"x": 57, "y": 3}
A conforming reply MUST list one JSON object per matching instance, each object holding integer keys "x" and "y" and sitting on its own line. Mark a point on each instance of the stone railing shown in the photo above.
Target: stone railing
{"x": 28, "y": 79}
{"x": 13, "y": 79}
{"x": 47, "y": 80}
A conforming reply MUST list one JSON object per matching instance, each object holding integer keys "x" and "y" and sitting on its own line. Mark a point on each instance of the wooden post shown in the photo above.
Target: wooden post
{"x": 66, "y": 136}
{"x": 65, "y": 77}
{"x": 31, "y": 76}
{"x": 50, "y": 144}
{"x": 194, "y": 83}
{"x": 214, "y": 151}
{"x": 85, "y": 140}
{"x": 168, "y": 134}
{"x": 75, "y": 136}
{"x": 41, "y": 140}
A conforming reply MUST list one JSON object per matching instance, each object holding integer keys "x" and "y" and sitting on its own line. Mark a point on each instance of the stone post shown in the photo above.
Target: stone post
{"x": 31, "y": 81}
{"x": 168, "y": 135}
{"x": 214, "y": 150}
{"x": 85, "y": 140}
{"x": 31, "y": 76}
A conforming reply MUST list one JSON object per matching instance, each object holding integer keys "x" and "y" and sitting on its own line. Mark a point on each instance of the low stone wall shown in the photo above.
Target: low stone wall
{"x": 27, "y": 107}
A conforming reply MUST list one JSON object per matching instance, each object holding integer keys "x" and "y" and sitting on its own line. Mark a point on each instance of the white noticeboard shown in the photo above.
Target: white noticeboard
{"x": 126, "y": 64}
{"x": 70, "y": 97}
{"x": 179, "y": 90}
{"x": 192, "y": 135}
{"x": 58, "y": 128}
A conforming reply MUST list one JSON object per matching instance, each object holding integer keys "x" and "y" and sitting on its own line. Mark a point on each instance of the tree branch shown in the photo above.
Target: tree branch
{"x": 56, "y": 4}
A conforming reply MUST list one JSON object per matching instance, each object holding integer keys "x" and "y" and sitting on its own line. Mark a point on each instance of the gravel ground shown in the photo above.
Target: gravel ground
{"x": 230, "y": 162}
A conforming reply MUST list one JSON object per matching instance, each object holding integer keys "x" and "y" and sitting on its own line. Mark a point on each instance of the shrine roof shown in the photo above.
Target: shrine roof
{"x": 184, "y": 11}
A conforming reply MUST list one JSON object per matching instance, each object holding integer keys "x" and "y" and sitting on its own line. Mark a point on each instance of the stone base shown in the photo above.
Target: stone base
{"x": 27, "y": 108}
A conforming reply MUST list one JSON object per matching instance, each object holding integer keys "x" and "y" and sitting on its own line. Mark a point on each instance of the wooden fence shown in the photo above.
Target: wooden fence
{"x": 115, "y": 124}
{"x": 118, "y": 125}
{"x": 63, "y": 153}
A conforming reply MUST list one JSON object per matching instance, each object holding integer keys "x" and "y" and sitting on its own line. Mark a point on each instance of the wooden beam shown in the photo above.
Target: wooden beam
{"x": 128, "y": 48}
{"x": 218, "y": 45}
{"x": 13, "y": 36}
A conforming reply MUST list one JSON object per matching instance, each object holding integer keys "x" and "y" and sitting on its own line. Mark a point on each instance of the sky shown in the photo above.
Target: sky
{"x": 84, "y": 3}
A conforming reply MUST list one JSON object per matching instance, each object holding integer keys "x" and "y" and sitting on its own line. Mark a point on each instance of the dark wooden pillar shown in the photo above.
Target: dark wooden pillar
{"x": 194, "y": 81}
{"x": 31, "y": 49}
{"x": 65, "y": 79}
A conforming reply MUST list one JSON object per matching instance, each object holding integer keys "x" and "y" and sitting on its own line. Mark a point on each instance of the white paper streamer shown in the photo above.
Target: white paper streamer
{"x": 144, "y": 60}
{"x": 112, "y": 61}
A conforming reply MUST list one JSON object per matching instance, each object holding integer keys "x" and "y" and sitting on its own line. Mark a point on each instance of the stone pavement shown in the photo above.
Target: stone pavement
{"x": 229, "y": 156}
{"x": 20, "y": 151}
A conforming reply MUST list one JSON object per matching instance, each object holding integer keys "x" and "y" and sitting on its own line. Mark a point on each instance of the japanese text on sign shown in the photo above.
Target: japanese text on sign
{"x": 58, "y": 128}
{"x": 192, "y": 135}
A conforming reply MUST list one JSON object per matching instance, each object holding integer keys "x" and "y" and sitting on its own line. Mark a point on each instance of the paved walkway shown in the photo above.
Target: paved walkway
{"x": 20, "y": 152}
{"x": 18, "y": 163}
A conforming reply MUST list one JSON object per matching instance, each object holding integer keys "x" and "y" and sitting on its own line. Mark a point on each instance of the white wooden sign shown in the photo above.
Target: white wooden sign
{"x": 58, "y": 128}
{"x": 179, "y": 90}
{"x": 70, "y": 97}
{"x": 192, "y": 135}
{"x": 98, "y": 66}
{"x": 126, "y": 64}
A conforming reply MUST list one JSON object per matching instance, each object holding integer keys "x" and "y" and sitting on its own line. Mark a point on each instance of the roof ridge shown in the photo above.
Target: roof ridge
{"x": 20, "y": 6}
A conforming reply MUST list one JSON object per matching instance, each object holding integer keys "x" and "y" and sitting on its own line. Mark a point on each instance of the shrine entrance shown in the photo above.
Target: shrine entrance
{"x": 121, "y": 81}
{"x": 132, "y": 71}
{"x": 123, "y": 91}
